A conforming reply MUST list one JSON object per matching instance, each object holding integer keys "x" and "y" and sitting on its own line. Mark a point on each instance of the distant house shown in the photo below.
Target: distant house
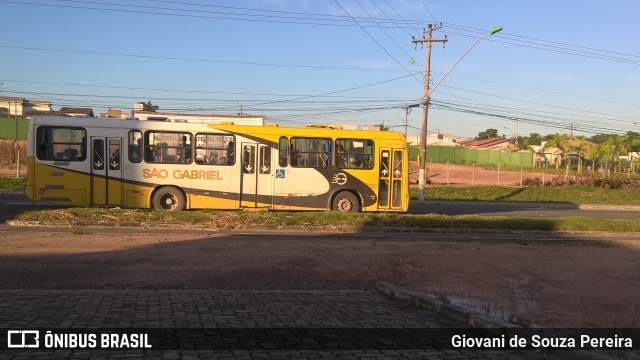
{"x": 550, "y": 155}
{"x": 497, "y": 143}
{"x": 115, "y": 114}
{"x": 436, "y": 140}
{"x": 19, "y": 106}
{"x": 76, "y": 111}
{"x": 258, "y": 120}
{"x": 442, "y": 140}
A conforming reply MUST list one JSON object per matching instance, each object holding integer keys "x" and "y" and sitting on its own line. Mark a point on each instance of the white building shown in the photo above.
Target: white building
{"x": 435, "y": 140}
{"x": 19, "y": 106}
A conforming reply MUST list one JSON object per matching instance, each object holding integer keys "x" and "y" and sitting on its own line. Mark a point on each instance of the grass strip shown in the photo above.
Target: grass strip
{"x": 577, "y": 194}
{"x": 238, "y": 220}
{"x": 15, "y": 183}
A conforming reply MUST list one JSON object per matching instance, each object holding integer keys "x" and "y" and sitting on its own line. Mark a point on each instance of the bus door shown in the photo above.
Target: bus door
{"x": 390, "y": 184}
{"x": 256, "y": 187}
{"x": 106, "y": 171}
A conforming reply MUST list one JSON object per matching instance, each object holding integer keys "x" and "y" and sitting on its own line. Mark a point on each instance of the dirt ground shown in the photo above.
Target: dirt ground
{"x": 561, "y": 283}
{"x": 464, "y": 175}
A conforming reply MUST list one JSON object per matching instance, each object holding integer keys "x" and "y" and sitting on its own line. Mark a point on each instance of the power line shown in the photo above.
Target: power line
{"x": 383, "y": 30}
{"x": 198, "y": 14}
{"x": 532, "y": 120}
{"x": 158, "y": 57}
{"x": 400, "y": 16}
{"x": 621, "y": 117}
{"x": 331, "y": 18}
{"x": 376, "y": 41}
{"x": 521, "y": 41}
{"x": 541, "y": 41}
{"x": 429, "y": 11}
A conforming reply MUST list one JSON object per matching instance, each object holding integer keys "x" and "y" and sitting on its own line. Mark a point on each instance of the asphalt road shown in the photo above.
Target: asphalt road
{"x": 15, "y": 201}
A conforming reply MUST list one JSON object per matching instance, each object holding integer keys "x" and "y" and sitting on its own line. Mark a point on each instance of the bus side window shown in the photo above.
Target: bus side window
{"x": 60, "y": 143}
{"x": 283, "y": 147}
{"x": 135, "y": 146}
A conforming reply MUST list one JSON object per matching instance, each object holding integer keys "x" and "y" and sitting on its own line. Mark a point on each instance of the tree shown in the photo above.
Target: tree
{"x": 527, "y": 142}
{"x": 559, "y": 142}
{"x": 487, "y": 134}
{"x": 148, "y": 106}
{"x": 615, "y": 146}
{"x": 383, "y": 127}
{"x": 535, "y": 139}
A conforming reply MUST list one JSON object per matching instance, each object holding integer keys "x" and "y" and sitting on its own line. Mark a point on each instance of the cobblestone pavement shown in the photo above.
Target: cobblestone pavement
{"x": 150, "y": 309}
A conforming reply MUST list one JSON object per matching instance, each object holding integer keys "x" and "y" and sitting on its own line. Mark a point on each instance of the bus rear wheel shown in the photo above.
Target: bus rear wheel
{"x": 168, "y": 199}
{"x": 346, "y": 202}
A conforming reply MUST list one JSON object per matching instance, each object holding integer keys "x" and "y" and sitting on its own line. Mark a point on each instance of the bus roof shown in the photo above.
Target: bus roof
{"x": 200, "y": 127}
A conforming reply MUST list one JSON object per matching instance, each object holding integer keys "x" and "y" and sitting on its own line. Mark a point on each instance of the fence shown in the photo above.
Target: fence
{"x": 471, "y": 175}
{"x": 455, "y": 155}
{"x": 14, "y": 128}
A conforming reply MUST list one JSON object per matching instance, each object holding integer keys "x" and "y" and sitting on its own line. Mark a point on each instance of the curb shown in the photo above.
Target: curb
{"x": 451, "y": 312}
{"x": 470, "y": 318}
{"x": 528, "y": 204}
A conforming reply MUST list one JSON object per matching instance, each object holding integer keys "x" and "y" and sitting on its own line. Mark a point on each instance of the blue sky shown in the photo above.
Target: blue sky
{"x": 556, "y": 64}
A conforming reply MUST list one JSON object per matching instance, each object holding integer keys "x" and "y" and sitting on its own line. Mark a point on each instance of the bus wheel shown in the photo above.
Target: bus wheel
{"x": 168, "y": 198}
{"x": 346, "y": 202}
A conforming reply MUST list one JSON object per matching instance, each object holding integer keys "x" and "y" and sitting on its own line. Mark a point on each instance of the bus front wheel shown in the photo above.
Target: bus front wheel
{"x": 346, "y": 202}
{"x": 169, "y": 199}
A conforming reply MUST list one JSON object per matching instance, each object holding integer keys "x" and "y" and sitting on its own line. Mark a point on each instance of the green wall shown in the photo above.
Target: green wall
{"x": 9, "y": 127}
{"x": 456, "y": 155}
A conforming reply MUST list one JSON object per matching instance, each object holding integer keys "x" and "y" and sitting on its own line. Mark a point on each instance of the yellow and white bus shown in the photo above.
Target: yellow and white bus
{"x": 176, "y": 166}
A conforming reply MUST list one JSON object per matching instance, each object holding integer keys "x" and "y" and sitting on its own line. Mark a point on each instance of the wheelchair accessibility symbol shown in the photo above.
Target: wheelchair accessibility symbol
{"x": 279, "y": 173}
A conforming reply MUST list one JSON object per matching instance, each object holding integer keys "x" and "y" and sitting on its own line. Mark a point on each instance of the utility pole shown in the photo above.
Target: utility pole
{"x": 571, "y": 130}
{"x": 516, "y": 134}
{"x": 429, "y": 40}
{"x": 406, "y": 122}
{"x": 407, "y": 110}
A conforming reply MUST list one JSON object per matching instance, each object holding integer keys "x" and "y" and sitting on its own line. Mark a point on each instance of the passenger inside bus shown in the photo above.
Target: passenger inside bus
{"x": 68, "y": 154}
{"x": 201, "y": 156}
{"x": 231, "y": 152}
{"x": 214, "y": 158}
{"x": 341, "y": 157}
{"x": 134, "y": 151}
{"x": 150, "y": 153}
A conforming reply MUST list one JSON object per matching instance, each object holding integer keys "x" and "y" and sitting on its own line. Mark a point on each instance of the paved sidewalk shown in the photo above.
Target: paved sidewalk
{"x": 149, "y": 309}
{"x": 529, "y": 204}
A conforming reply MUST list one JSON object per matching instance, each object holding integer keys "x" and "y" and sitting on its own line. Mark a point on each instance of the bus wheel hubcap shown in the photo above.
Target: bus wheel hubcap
{"x": 169, "y": 201}
{"x": 344, "y": 205}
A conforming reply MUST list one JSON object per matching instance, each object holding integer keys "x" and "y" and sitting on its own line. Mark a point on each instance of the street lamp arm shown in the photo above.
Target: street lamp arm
{"x": 457, "y": 62}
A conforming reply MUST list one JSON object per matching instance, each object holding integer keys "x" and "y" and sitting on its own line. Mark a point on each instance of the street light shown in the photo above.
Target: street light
{"x": 425, "y": 105}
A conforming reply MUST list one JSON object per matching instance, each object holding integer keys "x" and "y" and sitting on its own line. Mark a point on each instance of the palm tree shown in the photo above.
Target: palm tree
{"x": 148, "y": 106}
{"x": 616, "y": 146}
{"x": 581, "y": 147}
{"x": 559, "y": 142}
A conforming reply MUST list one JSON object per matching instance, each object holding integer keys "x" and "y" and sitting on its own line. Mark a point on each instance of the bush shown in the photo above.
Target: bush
{"x": 613, "y": 182}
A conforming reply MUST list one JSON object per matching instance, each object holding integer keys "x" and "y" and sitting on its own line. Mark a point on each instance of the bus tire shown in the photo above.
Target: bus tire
{"x": 168, "y": 198}
{"x": 346, "y": 202}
